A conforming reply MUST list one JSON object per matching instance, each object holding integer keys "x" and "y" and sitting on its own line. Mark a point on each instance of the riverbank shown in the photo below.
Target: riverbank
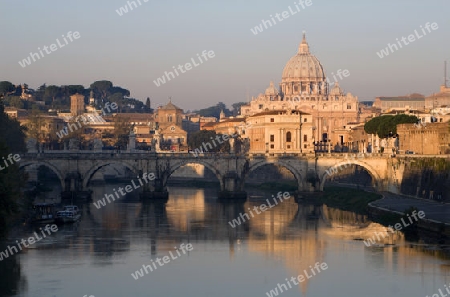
{"x": 392, "y": 207}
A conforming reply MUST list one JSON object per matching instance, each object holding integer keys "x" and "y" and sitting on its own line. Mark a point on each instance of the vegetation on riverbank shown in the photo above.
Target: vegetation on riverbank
{"x": 348, "y": 199}
{"x": 12, "y": 180}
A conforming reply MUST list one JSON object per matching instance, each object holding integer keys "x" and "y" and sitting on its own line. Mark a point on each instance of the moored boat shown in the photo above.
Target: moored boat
{"x": 44, "y": 213}
{"x": 67, "y": 217}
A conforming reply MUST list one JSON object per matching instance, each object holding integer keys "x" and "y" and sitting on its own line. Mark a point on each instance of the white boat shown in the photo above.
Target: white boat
{"x": 67, "y": 216}
{"x": 72, "y": 208}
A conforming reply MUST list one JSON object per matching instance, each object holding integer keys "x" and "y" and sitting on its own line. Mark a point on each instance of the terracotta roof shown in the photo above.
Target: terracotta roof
{"x": 209, "y": 124}
{"x": 233, "y": 120}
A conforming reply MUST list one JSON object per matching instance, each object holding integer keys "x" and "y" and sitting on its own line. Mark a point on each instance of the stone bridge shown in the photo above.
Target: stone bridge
{"x": 76, "y": 168}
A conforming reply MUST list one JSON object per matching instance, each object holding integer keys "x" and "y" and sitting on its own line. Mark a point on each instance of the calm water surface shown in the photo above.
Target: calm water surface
{"x": 97, "y": 256}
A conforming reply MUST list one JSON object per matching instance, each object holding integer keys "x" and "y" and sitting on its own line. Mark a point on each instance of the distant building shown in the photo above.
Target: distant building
{"x": 16, "y": 113}
{"x": 76, "y": 104}
{"x": 280, "y": 131}
{"x": 171, "y": 134}
{"x": 413, "y": 101}
{"x": 440, "y": 99}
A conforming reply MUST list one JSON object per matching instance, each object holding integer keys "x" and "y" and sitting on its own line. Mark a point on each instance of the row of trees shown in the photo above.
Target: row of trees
{"x": 214, "y": 111}
{"x": 58, "y": 97}
{"x": 386, "y": 126}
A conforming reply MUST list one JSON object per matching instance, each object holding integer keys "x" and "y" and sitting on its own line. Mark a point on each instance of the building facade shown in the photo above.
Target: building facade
{"x": 430, "y": 139}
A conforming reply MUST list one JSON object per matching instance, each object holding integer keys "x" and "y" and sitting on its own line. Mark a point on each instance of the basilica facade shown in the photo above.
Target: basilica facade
{"x": 304, "y": 89}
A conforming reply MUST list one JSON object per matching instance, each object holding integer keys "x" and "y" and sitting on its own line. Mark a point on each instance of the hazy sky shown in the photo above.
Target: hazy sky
{"x": 136, "y": 48}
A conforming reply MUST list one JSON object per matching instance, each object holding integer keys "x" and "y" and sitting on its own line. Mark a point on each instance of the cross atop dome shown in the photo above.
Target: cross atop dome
{"x": 304, "y": 47}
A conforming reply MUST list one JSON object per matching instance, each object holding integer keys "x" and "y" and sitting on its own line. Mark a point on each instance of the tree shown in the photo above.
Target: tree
{"x": 237, "y": 108}
{"x": 6, "y": 88}
{"x": 206, "y": 140}
{"x": 386, "y": 126}
{"x": 124, "y": 92}
{"x": 51, "y": 93}
{"x": 35, "y": 126}
{"x": 122, "y": 128}
{"x": 102, "y": 88}
{"x": 119, "y": 100}
{"x": 214, "y": 111}
{"x": 12, "y": 134}
{"x": 12, "y": 141}
{"x": 15, "y": 101}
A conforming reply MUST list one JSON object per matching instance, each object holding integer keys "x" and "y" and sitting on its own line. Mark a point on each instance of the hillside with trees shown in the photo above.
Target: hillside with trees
{"x": 58, "y": 97}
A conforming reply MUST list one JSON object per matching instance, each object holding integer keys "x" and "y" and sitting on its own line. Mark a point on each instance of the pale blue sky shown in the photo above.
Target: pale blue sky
{"x": 134, "y": 49}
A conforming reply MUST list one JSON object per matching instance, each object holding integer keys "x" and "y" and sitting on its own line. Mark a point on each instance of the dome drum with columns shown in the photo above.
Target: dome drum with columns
{"x": 303, "y": 75}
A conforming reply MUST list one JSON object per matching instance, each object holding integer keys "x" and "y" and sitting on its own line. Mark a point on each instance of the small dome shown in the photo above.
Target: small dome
{"x": 271, "y": 90}
{"x": 336, "y": 90}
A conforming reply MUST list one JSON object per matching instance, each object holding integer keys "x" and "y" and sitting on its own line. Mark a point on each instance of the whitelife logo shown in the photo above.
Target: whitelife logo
{"x": 263, "y": 207}
{"x": 416, "y": 215}
{"x": 318, "y": 267}
{"x": 188, "y": 66}
{"x": 11, "y": 250}
{"x": 128, "y": 189}
{"x": 281, "y": 16}
{"x": 11, "y": 160}
{"x": 411, "y": 38}
{"x": 165, "y": 260}
{"x": 73, "y": 126}
{"x": 53, "y": 47}
{"x": 124, "y": 9}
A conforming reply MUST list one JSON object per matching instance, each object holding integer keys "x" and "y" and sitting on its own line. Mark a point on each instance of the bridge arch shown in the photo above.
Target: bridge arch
{"x": 46, "y": 164}
{"x": 335, "y": 168}
{"x": 87, "y": 177}
{"x": 174, "y": 167}
{"x": 298, "y": 176}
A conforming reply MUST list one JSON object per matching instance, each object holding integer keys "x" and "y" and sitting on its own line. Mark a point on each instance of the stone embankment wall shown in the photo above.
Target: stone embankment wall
{"x": 427, "y": 178}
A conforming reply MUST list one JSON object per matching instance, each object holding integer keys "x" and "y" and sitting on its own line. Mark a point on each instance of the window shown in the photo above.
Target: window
{"x": 272, "y": 120}
{"x": 349, "y": 106}
{"x": 305, "y": 138}
{"x": 272, "y": 138}
{"x": 272, "y": 146}
{"x": 288, "y": 146}
{"x": 260, "y": 106}
{"x": 305, "y": 120}
{"x": 288, "y": 137}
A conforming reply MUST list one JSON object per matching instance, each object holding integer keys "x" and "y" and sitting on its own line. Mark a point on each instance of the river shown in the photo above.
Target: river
{"x": 200, "y": 254}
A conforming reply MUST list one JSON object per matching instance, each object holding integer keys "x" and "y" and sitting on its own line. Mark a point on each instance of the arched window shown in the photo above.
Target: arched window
{"x": 288, "y": 137}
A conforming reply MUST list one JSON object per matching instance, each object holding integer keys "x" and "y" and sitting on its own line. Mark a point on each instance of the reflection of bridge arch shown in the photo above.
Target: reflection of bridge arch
{"x": 176, "y": 166}
{"x": 336, "y": 168}
{"x": 98, "y": 166}
{"x": 298, "y": 176}
{"x": 48, "y": 165}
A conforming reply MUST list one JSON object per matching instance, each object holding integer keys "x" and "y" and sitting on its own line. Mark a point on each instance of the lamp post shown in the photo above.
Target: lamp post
{"x": 301, "y": 149}
{"x": 313, "y": 138}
